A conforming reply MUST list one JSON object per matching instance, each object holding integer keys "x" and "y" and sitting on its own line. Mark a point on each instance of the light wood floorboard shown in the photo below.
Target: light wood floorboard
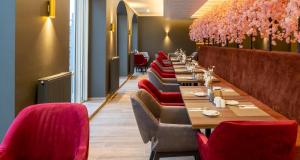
{"x": 114, "y": 134}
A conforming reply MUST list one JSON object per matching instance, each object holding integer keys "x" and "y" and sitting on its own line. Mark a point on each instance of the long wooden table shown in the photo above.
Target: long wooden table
{"x": 230, "y": 92}
{"x": 195, "y": 105}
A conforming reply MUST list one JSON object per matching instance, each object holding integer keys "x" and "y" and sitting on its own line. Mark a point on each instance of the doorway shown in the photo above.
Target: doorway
{"x": 122, "y": 43}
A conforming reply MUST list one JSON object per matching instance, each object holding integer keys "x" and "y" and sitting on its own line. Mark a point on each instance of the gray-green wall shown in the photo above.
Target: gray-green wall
{"x": 7, "y": 64}
{"x": 42, "y": 46}
{"x": 153, "y": 35}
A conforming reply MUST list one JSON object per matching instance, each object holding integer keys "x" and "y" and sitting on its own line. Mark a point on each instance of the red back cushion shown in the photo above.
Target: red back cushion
{"x": 49, "y": 131}
{"x": 155, "y": 67}
{"x": 150, "y": 88}
{"x": 160, "y": 60}
{"x": 162, "y": 55}
{"x": 253, "y": 140}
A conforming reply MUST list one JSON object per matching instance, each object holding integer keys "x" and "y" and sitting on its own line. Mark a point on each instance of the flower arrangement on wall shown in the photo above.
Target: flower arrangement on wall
{"x": 237, "y": 19}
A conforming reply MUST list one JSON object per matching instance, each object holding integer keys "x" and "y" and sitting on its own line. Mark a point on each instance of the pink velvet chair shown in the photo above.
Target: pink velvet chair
{"x": 250, "y": 140}
{"x": 57, "y": 131}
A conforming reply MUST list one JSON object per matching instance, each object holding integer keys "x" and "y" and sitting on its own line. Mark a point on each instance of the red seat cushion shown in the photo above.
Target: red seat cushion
{"x": 164, "y": 98}
{"x": 250, "y": 140}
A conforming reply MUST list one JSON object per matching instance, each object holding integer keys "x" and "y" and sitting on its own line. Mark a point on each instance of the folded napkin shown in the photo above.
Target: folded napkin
{"x": 247, "y": 106}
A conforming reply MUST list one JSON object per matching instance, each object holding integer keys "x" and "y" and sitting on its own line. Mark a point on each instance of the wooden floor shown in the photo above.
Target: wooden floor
{"x": 114, "y": 132}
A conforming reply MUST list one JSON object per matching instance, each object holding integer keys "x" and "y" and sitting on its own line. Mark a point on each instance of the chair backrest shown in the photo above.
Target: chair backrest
{"x": 162, "y": 55}
{"x": 147, "y": 112}
{"x": 253, "y": 140}
{"x": 158, "y": 64}
{"x": 156, "y": 67}
{"x": 160, "y": 60}
{"x": 154, "y": 79}
{"x": 139, "y": 59}
{"x": 163, "y": 67}
{"x": 150, "y": 88}
{"x": 194, "y": 55}
{"x": 160, "y": 72}
{"x": 49, "y": 131}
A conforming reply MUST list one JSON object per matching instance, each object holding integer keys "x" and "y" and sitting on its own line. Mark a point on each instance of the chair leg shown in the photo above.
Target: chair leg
{"x": 152, "y": 155}
{"x": 197, "y": 156}
{"x": 156, "y": 156}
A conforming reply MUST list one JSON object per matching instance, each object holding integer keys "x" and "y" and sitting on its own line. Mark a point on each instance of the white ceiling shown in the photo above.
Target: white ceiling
{"x": 173, "y": 9}
{"x": 181, "y": 9}
{"x": 147, "y": 7}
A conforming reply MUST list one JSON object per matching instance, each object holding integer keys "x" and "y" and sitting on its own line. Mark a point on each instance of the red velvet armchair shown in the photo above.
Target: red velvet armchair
{"x": 164, "y": 98}
{"x": 57, "y": 131}
{"x": 162, "y": 73}
{"x": 252, "y": 140}
{"x": 140, "y": 62}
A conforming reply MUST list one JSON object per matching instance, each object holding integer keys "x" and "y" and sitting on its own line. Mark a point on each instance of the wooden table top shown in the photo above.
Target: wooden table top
{"x": 187, "y": 78}
{"x": 183, "y": 70}
{"x": 195, "y": 105}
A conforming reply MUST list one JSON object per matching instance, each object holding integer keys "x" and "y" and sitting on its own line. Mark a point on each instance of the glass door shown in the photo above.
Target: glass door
{"x": 79, "y": 49}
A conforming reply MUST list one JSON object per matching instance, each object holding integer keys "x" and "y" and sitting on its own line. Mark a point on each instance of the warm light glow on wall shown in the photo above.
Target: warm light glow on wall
{"x": 167, "y": 30}
{"x": 207, "y": 6}
{"x": 46, "y": 42}
{"x": 51, "y": 8}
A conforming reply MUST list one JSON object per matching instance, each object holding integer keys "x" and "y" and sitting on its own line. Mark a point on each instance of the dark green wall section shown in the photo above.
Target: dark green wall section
{"x": 122, "y": 28}
{"x": 97, "y": 49}
{"x": 42, "y": 46}
{"x": 7, "y": 64}
{"x": 158, "y": 33}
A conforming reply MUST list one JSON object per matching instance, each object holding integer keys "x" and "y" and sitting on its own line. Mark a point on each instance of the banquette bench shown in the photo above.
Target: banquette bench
{"x": 272, "y": 78}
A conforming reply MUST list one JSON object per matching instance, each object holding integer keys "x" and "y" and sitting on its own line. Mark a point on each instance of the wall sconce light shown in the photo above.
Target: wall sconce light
{"x": 51, "y": 8}
{"x": 167, "y": 33}
{"x": 167, "y": 30}
{"x": 112, "y": 27}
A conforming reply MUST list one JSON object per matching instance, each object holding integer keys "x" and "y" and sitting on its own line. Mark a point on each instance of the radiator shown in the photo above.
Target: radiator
{"x": 114, "y": 74}
{"x": 56, "y": 88}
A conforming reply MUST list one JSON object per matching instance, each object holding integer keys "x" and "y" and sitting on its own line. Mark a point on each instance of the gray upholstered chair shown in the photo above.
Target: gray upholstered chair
{"x": 159, "y": 84}
{"x": 164, "y": 68}
{"x": 165, "y": 80}
{"x": 194, "y": 56}
{"x": 167, "y": 128}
